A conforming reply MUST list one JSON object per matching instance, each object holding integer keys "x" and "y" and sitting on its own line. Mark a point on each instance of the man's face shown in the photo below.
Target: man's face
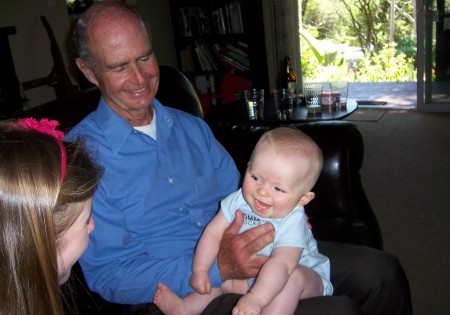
{"x": 125, "y": 66}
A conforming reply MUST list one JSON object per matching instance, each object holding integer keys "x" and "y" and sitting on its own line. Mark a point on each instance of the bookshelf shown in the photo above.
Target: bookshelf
{"x": 216, "y": 37}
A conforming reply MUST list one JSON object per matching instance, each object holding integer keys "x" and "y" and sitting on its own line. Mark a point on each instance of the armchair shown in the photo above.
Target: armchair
{"x": 340, "y": 211}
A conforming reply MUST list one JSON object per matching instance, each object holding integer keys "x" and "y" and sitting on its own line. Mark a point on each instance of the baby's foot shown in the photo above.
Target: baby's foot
{"x": 168, "y": 302}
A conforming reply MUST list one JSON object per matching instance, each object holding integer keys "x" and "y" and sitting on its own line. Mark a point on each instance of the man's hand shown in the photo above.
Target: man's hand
{"x": 308, "y": 224}
{"x": 237, "y": 257}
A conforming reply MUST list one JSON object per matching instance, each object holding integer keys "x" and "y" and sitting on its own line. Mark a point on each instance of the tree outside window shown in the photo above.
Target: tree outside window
{"x": 351, "y": 38}
{"x": 78, "y": 6}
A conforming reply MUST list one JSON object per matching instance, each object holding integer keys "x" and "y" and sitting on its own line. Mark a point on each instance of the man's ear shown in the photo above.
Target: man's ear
{"x": 87, "y": 71}
{"x": 306, "y": 198}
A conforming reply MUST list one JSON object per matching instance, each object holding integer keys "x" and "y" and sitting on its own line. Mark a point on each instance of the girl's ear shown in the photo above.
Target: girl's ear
{"x": 306, "y": 198}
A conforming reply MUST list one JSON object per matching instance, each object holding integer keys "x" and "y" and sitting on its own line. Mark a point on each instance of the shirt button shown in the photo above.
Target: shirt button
{"x": 199, "y": 224}
{"x": 170, "y": 180}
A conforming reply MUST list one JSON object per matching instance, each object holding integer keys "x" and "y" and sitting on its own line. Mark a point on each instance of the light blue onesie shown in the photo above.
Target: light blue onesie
{"x": 291, "y": 230}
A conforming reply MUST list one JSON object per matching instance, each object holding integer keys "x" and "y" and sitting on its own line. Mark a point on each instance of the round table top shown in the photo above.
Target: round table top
{"x": 237, "y": 113}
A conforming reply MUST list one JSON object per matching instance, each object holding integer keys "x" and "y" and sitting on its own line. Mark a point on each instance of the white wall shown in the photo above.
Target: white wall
{"x": 30, "y": 47}
{"x": 157, "y": 15}
{"x": 272, "y": 63}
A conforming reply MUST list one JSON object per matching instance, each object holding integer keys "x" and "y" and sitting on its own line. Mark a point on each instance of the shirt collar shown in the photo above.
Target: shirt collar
{"x": 116, "y": 129}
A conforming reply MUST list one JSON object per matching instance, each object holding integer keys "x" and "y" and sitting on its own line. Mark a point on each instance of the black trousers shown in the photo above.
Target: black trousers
{"x": 365, "y": 280}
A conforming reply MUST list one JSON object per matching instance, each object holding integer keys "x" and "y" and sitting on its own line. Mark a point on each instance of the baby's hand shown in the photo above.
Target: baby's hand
{"x": 249, "y": 304}
{"x": 200, "y": 282}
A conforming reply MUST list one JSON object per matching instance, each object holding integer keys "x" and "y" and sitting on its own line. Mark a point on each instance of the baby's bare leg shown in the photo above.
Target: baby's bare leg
{"x": 303, "y": 283}
{"x": 171, "y": 304}
{"x": 168, "y": 302}
{"x": 235, "y": 286}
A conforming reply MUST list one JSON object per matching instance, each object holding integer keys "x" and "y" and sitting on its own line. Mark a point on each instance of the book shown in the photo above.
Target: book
{"x": 201, "y": 59}
{"x": 234, "y": 63}
{"x": 185, "y": 21}
{"x": 207, "y": 54}
{"x": 238, "y": 49}
{"x": 233, "y": 55}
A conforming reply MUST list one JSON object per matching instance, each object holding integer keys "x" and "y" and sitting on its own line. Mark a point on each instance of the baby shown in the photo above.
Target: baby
{"x": 282, "y": 170}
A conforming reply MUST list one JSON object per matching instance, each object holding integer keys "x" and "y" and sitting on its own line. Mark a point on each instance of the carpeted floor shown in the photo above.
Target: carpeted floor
{"x": 406, "y": 174}
{"x": 368, "y": 114}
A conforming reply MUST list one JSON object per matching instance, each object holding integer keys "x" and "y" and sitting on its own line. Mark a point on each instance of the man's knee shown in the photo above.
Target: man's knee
{"x": 328, "y": 305}
{"x": 379, "y": 268}
{"x": 322, "y": 305}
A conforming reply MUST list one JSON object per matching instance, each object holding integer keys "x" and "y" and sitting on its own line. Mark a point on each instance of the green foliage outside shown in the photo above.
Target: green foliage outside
{"x": 330, "y": 27}
{"x": 387, "y": 65}
{"x": 78, "y": 6}
{"x": 320, "y": 62}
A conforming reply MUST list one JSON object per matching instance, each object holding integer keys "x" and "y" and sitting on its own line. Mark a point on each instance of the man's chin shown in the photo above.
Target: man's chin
{"x": 141, "y": 103}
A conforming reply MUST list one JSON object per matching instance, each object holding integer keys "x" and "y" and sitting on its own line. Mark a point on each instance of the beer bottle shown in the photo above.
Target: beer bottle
{"x": 289, "y": 79}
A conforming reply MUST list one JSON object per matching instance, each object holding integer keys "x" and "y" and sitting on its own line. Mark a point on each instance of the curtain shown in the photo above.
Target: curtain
{"x": 286, "y": 36}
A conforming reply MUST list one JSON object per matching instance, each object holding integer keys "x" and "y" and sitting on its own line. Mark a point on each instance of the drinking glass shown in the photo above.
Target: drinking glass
{"x": 254, "y": 100}
{"x": 312, "y": 93}
{"x": 341, "y": 89}
{"x": 284, "y": 102}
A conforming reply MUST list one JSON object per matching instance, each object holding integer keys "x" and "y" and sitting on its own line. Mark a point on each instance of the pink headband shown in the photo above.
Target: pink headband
{"x": 48, "y": 127}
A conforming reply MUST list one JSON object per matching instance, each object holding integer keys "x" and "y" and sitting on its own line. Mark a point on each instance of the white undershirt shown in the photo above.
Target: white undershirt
{"x": 150, "y": 129}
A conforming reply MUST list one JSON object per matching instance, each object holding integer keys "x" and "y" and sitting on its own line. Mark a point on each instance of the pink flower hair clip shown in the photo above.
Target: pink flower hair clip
{"x": 48, "y": 127}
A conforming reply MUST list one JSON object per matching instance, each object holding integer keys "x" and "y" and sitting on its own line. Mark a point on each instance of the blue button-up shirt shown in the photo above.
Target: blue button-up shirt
{"x": 153, "y": 201}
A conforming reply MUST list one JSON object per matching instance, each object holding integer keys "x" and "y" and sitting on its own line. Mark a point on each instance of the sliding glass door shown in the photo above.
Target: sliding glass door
{"x": 433, "y": 40}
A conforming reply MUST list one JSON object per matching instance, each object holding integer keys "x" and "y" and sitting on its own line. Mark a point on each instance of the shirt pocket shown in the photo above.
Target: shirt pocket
{"x": 204, "y": 200}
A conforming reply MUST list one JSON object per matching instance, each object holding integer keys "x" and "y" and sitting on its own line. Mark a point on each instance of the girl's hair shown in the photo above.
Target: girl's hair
{"x": 35, "y": 208}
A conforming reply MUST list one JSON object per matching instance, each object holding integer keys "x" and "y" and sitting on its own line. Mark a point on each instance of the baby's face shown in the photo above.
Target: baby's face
{"x": 73, "y": 242}
{"x": 273, "y": 183}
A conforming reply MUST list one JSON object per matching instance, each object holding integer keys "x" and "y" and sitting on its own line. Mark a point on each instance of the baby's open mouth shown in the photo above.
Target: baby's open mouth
{"x": 261, "y": 206}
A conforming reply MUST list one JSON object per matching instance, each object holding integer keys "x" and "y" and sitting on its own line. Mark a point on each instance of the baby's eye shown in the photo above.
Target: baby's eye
{"x": 255, "y": 178}
{"x": 280, "y": 189}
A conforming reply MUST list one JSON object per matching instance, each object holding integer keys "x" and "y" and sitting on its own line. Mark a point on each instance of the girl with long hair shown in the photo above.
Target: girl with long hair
{"x": 46, "y": 191}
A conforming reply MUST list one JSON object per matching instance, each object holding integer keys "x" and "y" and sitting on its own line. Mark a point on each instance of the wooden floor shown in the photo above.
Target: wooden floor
{"x": 398, "y": 94}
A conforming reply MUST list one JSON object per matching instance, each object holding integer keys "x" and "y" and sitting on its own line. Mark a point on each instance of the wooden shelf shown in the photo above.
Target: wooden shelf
{"x": 216, "y": 37}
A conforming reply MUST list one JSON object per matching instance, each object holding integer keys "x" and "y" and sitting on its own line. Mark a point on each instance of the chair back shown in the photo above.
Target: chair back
{"x": 175, "y": 90}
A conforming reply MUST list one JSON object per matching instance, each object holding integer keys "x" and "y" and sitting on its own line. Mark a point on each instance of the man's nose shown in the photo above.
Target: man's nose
{"x": 137, "y": 74}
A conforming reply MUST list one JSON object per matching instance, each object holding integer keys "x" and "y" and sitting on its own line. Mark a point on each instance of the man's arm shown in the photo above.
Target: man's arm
{"x": 237, "y": 257}
{"x": 119, "y": 267}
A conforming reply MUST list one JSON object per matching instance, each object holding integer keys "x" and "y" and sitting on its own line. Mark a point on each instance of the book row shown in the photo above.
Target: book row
{"x": 212, "y": 20}
{"x": 203, "y": 57}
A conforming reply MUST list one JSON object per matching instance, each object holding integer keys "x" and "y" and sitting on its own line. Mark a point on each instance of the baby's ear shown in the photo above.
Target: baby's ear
{"x": 306, "y": 198}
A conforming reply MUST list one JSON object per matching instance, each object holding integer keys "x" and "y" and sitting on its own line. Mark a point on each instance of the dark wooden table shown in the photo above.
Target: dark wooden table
{"x": 237, "y": 113}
